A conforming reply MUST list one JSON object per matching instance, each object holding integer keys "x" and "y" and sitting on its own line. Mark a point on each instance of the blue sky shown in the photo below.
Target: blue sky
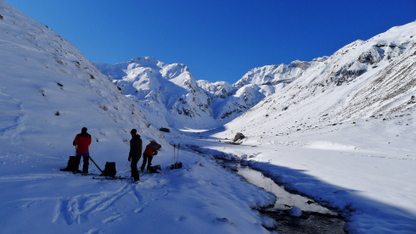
{"x": 217, "y": 40}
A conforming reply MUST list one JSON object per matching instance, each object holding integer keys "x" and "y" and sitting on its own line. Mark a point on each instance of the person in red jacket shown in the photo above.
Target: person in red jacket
{"x": 150, "y": 150}
{"x": 82, "y": 142}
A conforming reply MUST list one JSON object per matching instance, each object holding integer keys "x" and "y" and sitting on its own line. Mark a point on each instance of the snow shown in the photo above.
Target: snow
{"x": 365, "y": 170}
{"x": 295, "y": 211}
{"x": 43, "y": 75}
{"x": 325, "y": 144}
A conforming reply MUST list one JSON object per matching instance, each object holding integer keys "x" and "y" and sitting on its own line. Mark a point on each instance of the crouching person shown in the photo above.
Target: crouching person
{"x": 151, "y": 149}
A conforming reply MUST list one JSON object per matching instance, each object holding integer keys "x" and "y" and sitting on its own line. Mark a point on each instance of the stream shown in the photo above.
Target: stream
{"x": 293, "y": 213}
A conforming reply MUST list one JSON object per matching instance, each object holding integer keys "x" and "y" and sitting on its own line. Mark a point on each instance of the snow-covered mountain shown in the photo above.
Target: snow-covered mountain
{"x": 167, "y": 91}
{"x": 365, "y": 79}
{"x": 152, "y": 82}
{"x": 170, "y": 92}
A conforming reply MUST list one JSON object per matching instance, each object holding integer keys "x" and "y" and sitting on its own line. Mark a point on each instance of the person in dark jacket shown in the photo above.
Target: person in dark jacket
{"x": 151, "y": 149}
{"x": 82, "y": 142}
{"x": 135, "y": 153}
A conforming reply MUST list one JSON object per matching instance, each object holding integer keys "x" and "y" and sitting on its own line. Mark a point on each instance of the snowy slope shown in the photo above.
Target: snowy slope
{"x": 343, "y": 132}
{"x": 56, "y": 91}
{"x": 48, "y": 92}
{"x": 370, "y": 79}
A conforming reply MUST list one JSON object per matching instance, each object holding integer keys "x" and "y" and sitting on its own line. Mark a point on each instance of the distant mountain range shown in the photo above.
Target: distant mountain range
{"x": 170, "y": 92}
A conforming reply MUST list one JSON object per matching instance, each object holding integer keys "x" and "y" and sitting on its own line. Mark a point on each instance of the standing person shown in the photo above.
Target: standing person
{"x": 135, "y": 153}
{"x": 151, "y": 149}
{"x": 82, "y": 142}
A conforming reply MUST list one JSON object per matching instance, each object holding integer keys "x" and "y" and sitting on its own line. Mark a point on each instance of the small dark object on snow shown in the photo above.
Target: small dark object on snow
{"x": 57, "y": 113}
{"x": 1, "y": 17}
{"x": 176, "y": 165}
{"x": 164, "y": 129}
{"x": 156, "y": 169}
{"x": 110, "y": 169}
{"x": 238, "y": 136}
{"x": 73, "y": 165}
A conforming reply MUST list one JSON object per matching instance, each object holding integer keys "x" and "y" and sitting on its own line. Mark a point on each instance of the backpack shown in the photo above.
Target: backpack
{"x": 176, "y": 165}
{"x": 149, "y": 150}
{"x": 156, "y": 169}
{"x": 110, "y": 169}
{"x": 73, "y": 164}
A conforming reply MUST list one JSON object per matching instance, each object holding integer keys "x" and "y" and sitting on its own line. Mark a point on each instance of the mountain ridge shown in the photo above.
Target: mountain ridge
{"x": 218, "y": 103}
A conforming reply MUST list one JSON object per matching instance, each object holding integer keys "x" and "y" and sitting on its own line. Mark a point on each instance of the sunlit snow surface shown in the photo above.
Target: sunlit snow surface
{"x": 49, "y": 91}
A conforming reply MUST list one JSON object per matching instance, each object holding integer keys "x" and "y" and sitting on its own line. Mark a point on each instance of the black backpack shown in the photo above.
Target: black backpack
{"x": 73, "y": 164}
{"x": 156, "y": 169}
{"x": 110, "y": 169}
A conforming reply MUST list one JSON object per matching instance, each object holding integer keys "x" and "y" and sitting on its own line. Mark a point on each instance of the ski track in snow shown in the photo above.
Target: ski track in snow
{"x": 76, "y": 210}
{"x": 30, "y": 177}
{"x": 10, "y": 112}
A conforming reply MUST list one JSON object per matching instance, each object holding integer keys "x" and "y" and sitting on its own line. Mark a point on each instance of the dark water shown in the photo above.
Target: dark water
{"x": 293, "y": 213}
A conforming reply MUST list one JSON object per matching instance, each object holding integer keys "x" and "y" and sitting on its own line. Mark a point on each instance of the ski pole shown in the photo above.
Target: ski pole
{"x": 178, "y": 153}
{"x": 96, "y": 165}
{"x": 174, "y": 156}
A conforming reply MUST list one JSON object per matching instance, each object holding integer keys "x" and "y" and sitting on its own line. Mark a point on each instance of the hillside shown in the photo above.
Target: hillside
{"x": 48, "y": 92}
{"x": 50, "y": 83}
